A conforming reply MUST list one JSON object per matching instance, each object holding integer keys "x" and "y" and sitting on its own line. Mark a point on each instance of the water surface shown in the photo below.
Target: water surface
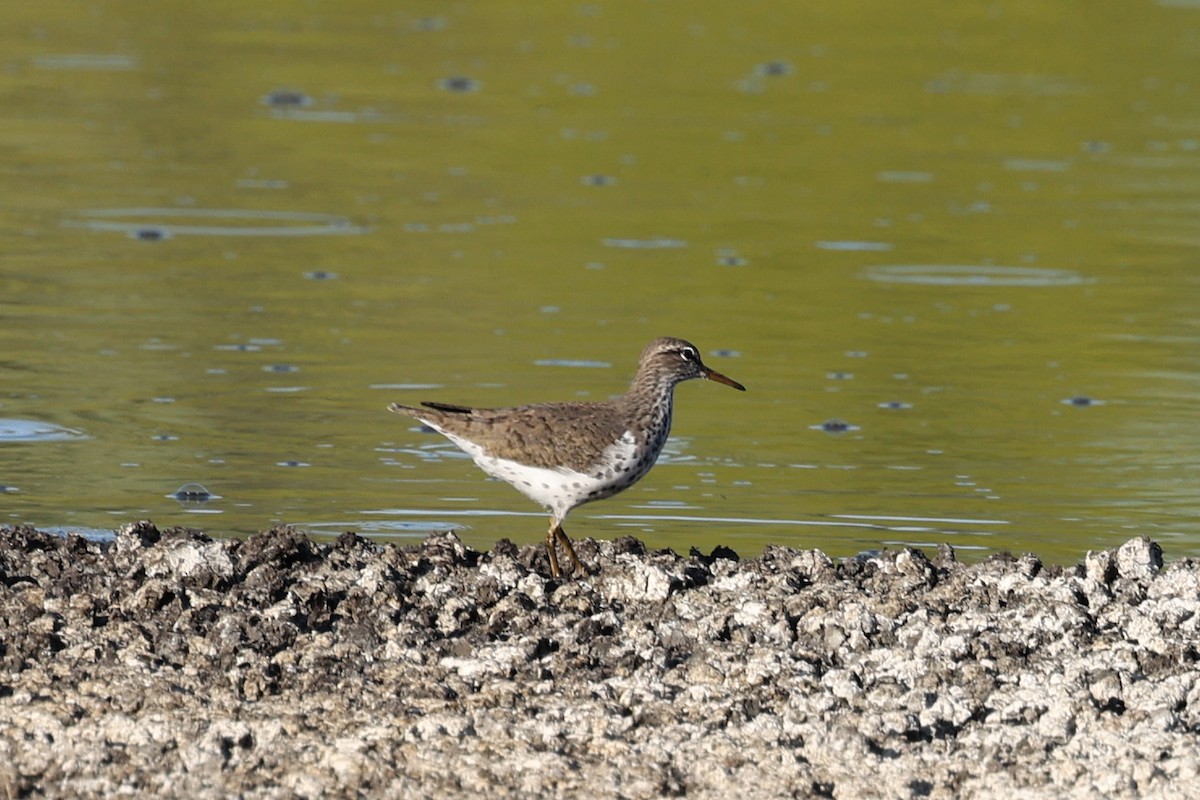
{"x": 949, "y": 249}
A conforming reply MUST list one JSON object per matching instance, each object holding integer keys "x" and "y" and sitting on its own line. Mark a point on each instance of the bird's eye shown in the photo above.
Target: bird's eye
{"x": 689, "y": 355}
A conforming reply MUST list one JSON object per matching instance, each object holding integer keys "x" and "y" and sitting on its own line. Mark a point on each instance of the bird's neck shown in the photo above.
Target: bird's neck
{"x": 649, "y": 400}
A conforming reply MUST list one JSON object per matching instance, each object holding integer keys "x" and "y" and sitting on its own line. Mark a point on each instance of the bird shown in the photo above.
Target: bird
{"x": 562, "y": 455}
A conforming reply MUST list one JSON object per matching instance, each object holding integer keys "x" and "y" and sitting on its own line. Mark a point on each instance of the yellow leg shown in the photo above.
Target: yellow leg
{"x": 555, "y": 536}
{"x": 561, "y": 535}
{"x": 550, "y": 537}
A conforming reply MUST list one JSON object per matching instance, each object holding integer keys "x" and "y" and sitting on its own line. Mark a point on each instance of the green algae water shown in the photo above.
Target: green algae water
{"x": 950, "y": 250}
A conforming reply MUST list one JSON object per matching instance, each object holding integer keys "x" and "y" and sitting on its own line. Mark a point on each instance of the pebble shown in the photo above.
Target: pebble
{"x": 170, "y": 663}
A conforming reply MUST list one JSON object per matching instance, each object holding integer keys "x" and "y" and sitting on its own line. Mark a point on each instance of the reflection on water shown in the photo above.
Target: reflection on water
{"x": 948, "y": 231}
{"x": 299, "y": 223}
{"x": 891, "y": 531}
{"x": 87, "y": 61}
{"x": 28, "y": 430}
{"x": 659, "y": 243}
{"x": 948, "y": 275}
{"x": 574, "y": 363}
{"x": 877, "y": 247}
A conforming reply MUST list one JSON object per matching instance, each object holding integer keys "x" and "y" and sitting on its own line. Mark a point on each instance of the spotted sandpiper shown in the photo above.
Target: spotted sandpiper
{"x": 562, "y": 455}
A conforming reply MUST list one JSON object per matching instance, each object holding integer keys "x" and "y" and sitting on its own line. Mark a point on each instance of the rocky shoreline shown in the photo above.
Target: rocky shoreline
{"x": 170, "y": 664}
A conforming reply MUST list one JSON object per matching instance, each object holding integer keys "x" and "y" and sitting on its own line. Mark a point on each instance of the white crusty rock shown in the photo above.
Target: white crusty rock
{"x": 167, "y": 663}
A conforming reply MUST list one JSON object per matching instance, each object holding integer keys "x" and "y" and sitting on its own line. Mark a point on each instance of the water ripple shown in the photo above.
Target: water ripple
{"x": 256, "y": 222}
{"x": 958, "y": 275}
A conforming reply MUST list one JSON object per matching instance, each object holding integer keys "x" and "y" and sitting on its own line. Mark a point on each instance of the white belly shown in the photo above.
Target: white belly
{"x": 560, "y": 489}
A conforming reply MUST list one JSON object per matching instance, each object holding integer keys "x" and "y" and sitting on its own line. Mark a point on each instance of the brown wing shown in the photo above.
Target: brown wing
{"x": 546, "y": 435}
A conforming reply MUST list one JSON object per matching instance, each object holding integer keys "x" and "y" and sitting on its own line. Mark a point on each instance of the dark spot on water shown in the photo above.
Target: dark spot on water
{"x": 836, "y": 426}
{"x": 774, "y": 68}
{"x": 321, "y": 275}
{"x": 731, "y": 261}
{"x": 150, "y": 234}
{"x": 598, "y": 180}
{"x": 287, "y": 98}
{"x": 8, "y": 489}
{"x": 895, "y": 405}
{"x": 192, "y": 493}
{"x": 726, "y": 353}
{"x": 1083, "y": 401}
{"x": 292, "y": 464}
{"x": 459, "y": 84}
{"x": 281, "y": 368}
{"x": 840, "y": 376}
{"x": 165, "y": 437}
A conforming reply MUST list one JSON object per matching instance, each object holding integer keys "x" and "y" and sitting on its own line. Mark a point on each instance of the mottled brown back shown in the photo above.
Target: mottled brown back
{"x": 546, "y": 435}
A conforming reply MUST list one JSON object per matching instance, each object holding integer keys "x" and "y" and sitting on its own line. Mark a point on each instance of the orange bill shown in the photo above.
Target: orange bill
{"x": 713, "y": 375}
